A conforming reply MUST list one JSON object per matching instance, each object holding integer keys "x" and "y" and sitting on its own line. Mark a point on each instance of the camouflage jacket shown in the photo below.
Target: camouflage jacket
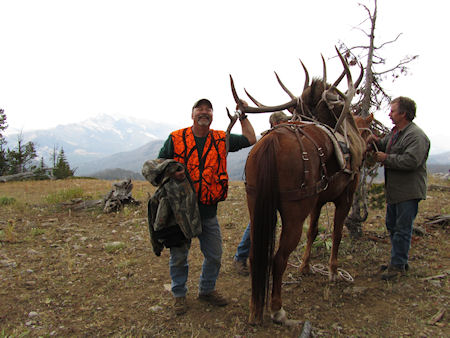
{"x": 174, "y": 202}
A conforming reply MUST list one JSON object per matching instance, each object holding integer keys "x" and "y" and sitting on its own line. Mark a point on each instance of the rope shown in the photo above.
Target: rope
{"x": 323, "y": 270}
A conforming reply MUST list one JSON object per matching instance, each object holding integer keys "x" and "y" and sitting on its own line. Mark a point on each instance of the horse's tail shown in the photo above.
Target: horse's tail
{"x": 264, "y": 222}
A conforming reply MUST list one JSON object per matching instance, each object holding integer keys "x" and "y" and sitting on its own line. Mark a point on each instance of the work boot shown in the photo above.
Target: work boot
{"x": 180, "y": 306}
{"x": 393, "y": 272}
{"x": 241, "y": 267}
{"x": 213, "y": 298}
{"x": 384, "y": 267}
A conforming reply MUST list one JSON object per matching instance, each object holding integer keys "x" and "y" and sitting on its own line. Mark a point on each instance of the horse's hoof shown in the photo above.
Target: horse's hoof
{"x": 305, "y": 270}
{"x": 280, "y": 317}
{"x": 334, "y": 277}
{"x": 252, "y": 320}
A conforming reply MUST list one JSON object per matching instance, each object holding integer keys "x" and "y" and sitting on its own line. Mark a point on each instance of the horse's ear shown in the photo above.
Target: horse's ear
{"x": 370, "y": 118}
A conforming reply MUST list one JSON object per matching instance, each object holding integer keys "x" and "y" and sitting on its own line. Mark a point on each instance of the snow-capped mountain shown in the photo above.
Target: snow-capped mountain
{"x": 94, "y": 138}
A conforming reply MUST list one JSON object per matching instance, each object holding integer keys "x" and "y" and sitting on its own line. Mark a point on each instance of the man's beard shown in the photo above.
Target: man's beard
{"x": 204, "y": 120}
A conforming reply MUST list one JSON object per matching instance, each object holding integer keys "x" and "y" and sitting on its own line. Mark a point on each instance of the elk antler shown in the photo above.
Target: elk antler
{"x": 263, "y": 109}
{"x": 233, "y": 120}
{"x": 349, "y": 94}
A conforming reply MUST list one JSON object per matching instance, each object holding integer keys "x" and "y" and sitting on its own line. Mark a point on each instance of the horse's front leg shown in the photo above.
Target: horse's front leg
{"x": 311, "y": 236}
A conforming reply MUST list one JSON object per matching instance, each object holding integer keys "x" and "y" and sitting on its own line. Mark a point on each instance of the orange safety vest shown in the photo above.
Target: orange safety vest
{"x": 209, "y": 174}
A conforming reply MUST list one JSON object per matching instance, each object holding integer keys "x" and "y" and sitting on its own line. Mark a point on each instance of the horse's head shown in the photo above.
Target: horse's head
{"x": 364, "y": 124}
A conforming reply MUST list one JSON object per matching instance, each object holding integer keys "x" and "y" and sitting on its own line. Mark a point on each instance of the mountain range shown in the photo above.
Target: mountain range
{"x": 109, "y": 147}
{"x": 116, "y": 148}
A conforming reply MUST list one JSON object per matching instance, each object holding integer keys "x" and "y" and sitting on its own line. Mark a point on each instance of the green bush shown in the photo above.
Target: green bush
{"x": 7, "y": 200}
{"x": 64, "y": 195}
{"x": 376, "y": 196}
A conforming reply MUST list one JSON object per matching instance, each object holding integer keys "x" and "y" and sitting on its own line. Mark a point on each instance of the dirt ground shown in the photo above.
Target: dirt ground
{"x": 85, "y": 273}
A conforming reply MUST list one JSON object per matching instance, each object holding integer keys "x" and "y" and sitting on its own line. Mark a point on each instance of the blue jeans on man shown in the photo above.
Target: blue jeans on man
{"x": 399, "y": 222}
{"x": 211, "y": 247}
{"x": 243, "y": 249}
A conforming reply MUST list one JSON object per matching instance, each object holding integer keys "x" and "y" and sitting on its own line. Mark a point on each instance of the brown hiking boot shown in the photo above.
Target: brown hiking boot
{"x": 393, "y": 272}
{"x": 213, "y": 298}
{"x": 241, "y": 267}
{"x": 180, "y": 306}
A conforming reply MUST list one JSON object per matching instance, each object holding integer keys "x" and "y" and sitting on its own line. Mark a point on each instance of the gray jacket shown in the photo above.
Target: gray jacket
{"x": 405, "y": 170}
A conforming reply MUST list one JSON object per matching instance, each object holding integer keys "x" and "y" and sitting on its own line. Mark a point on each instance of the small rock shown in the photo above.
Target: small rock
{"x": 32, "y": 252}
{"x": 156, "y": 308}
{"x": 8, "y": 263}
{"x": 435, "y": 283}
{"x": 167, "y": 287}
{"x": 33, "y": 314}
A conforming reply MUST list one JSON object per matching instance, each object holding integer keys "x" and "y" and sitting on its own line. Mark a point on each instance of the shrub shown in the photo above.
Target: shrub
{"x": 64, "y": 195}
{"x": 7, "y": 200}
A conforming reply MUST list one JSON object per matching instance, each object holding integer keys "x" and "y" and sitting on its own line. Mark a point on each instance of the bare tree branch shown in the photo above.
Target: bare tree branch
{"x": 401, "y": 63}
{"x": 388, "y": 42}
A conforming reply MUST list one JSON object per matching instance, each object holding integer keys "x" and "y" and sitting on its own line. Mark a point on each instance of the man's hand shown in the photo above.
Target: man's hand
{"x": 381, "y": 157}
{"x": 179, "y": 175}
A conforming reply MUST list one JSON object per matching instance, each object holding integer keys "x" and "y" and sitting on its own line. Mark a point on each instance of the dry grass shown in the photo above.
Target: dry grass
{"x": 90, "y": 274}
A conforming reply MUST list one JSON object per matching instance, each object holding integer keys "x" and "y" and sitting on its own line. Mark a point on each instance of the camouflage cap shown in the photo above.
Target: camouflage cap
{"x": 202, "y": 101}
{"x": 278, "y": 117}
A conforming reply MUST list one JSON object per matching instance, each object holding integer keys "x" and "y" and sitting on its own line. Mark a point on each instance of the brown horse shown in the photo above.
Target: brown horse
{"x": 294, "y": 169}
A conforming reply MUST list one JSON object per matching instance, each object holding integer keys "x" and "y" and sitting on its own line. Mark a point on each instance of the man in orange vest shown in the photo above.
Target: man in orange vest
{"x": 203, "y": 152}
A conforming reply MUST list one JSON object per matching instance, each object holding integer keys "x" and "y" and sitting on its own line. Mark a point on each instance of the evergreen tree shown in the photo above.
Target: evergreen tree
{"x": 3, "y": 126}
{"x": 62, "y": 168}
{"x": 41, "y": 172}
{"x": 20, "y": 157}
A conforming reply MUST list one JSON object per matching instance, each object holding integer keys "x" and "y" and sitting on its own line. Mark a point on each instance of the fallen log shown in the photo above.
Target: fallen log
{"x": 439, "y": 187}
{"x": 17, "y": 177}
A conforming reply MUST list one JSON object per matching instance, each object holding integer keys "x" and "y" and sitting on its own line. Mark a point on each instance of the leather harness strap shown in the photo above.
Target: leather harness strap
{"x": 304, "y": 191}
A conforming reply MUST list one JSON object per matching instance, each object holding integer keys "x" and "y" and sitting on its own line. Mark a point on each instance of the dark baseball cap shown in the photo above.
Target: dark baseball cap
{"x": 202, "y": 101}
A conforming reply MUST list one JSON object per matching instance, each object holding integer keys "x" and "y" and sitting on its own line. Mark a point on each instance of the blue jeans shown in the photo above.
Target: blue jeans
{"x": 243, "y": 248}
{"x": 211, "y": 247}
{"x": 399, "y": 222}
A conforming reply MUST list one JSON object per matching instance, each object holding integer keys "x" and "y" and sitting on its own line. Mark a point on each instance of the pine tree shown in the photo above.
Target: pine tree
{"x": 62, "y": 169}
{"x": 3, "y": 161}
{"x": 19, "y": 158}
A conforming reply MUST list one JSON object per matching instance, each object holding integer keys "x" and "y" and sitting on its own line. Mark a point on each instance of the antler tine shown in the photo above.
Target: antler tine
{"x": 358, "y": 81}
{"x": 235, "y": 95}
{"x": 324, "y": 79}
{"x": 306, "y": 75}
{"x": 339, "y": 79}
{"x": 292, "y": 96}
{"x": 349, "y": 94}
{"x": 258, "y": 104}
{"x": 233, "y": 120}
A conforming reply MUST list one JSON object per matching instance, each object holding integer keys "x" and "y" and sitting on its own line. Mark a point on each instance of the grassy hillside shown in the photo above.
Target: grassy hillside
{"x": 86, "y": 273}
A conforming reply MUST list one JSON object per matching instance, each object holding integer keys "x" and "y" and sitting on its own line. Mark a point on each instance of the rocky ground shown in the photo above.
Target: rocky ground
{"x": 86, "y": 273}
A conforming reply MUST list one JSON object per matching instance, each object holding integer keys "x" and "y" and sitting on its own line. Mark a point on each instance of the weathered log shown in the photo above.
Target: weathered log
{"x": 443, "y": 220}
{"x": 119, "y": 196}
{"x": 25, "y": 175}
{"x": 16, "y": 177}
{"x": 79, "y": 204}
{"x": 439, "y": 187}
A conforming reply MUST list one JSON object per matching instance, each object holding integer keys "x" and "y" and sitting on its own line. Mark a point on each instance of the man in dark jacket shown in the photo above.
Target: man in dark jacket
{"x": 403, "y": 153}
